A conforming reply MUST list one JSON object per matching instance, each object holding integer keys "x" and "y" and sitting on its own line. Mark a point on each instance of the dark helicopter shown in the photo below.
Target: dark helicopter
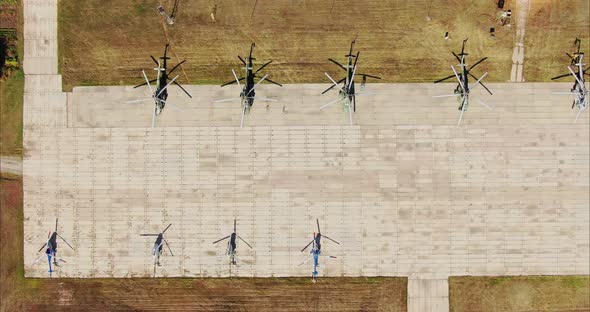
{"x": 160, "y": 94}
{"x": 248, "y": 92}
{"x": 347, "y": 91}
{"x": 462, "y": 90}
{"x": 579, "y": 90}
{"x": 157, "y": 249}
{"x": 51, "y": 250}
{"x": 232, "y": 244}
{"x": 316, "y": 250}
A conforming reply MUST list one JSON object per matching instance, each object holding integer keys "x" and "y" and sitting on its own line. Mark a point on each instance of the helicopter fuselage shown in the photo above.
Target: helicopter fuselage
{"x": 231, "y": 247}
{"x": 158, "y": 245}
{"x": 248, "y": 93}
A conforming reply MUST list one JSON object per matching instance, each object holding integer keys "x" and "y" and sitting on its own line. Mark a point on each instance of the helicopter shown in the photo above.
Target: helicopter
{"x": 157, "y": 249}
{"x": 232, "y": 245}
{"x": 462, "y": 90}
{"x": 579, "y": 90}
{"x": 316, "y": 250}
{"x": 249, "y": 90}
{"x": 51, "y": 250}
{"x": 347, "y": 94}
{"x": 160, "y": 94}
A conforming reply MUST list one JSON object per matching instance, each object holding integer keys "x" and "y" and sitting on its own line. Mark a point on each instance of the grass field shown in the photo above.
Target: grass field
{"x": 552, "y": 28}
{"x": 11, "y": 98}
{"x": 109, "y": 42}
{"x": 11, "y": 114}
{"x": 525, "y": 293}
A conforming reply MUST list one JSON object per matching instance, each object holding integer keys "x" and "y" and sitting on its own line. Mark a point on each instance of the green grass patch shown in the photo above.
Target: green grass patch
{"x": 11, "y": 114}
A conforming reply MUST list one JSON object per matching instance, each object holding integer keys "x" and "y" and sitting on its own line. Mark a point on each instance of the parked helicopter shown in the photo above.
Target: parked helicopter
{"x": 51, "y": 250}
{"x": 462, "y": 90}
{"x": 160, "y": 94}
{"x": 249, "y": 90}
{"x": 157, "y": 249}
{"x": 579, "y": 90}
{"x": 316, "y": 250}
{"x": 232, "y": 245}
{"x": 347, "y": 93}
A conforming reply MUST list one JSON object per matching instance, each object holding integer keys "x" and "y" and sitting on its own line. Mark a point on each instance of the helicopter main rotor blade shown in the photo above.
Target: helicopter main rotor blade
{"x": 561, "y": 76}
{"x": 456, "y": 56}
{"x": 167, "y": 245}
{"x": 149, "y": 234}
{"x": 137, "y": 101}
{"x": 236, "y": 77}
{"x": 256, "y": 85}
{"x": 166, "y": 87}
{"x": 147, "y": 82}
{"x": 245, "y": 103}
{"x": 261, "y": 67}
{"x": 231, "y": 82}
{"x": 178, "y": 85}
{"x": 242, "y": 60}
{"x": 306, "y": 246}
{"x": 447, "y": 95}
{"x": 244, "y": 241}
{"x": 578, "y": 114}
{"x": 166, "y": 229}
{"x": 154, "y": 118}
{"x": 335, "y": 84}
{"x": 330, "y": 239}
{"x": 153, "y": 80}
{"x": 484, "y": 104}
{"x": 340, "y": 65}
{"x": 227, "y": 100}
{"x": 367, "y": 75}
{"x": 462, "y": 111}
{"x": 458, "y": 79}
{"x": 235, "y": 223}
{"x": 154, "y": 59}
{"x": 477, "y": 63}
{"x": 56, "y": 225}
{"x": 481, "y": 83}
{"x": 441, "y": 80}
{"x": 217, "y": 241}
{"x": 352, "y": 77}
{"x": 575, "y": 76}
{"x": 318, "y": 223}
{"x": 325, "y": 105}
{"x": 39, "y": 259}
{"x": 356, "y": 60}
{"x": 565, "y": 93}
{"x": 175, "y": 67}
{"x": 65, "y": 241}
{"x": 350, "y": 112}
{"x": 478, "y": 82}
{"x": 42, "y": 247}
{"x": 273, "y": 82}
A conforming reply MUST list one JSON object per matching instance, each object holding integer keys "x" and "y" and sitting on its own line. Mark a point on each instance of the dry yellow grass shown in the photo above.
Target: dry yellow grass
{"x": 109, "y": 42}
{"x": 520, "y": 293}
{"x": 552, "y": 27}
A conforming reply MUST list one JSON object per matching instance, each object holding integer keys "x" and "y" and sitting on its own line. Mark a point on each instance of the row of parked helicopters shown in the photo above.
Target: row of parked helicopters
{"x": 345, "y": 86}
{"x": 49, "y": 248}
